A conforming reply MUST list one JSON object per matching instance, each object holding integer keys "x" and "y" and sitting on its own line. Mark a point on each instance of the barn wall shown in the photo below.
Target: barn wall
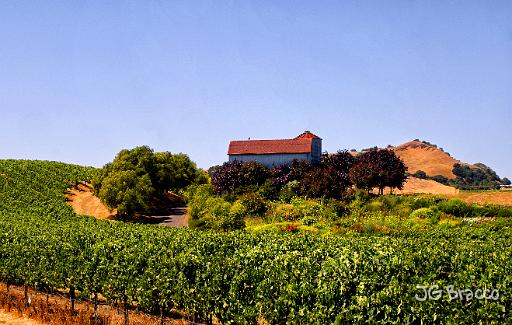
{"x": 316, "y": 150}
{"x": 272, "y": 159}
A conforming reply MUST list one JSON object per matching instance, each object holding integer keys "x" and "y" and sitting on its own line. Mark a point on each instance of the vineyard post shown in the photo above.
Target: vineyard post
{"x": 125, "y": 303}
{"x": 95, "y": 305}
{"x": 72, "y": 299}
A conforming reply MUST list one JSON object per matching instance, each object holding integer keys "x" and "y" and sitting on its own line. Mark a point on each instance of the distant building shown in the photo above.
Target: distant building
{"x": 306, "y": 146}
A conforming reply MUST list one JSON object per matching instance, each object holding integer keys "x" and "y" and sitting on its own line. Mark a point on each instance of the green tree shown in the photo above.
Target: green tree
{"x": 137, "y": 176}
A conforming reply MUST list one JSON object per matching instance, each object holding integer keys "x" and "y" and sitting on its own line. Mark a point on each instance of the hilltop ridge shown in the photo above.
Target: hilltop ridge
{"x": 421, "y": 155}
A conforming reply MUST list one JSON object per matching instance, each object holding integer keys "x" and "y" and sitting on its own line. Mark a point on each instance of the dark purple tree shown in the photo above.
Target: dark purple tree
{"x": 238, "y": 175}
{"x": 378, "y": 168}
{"x": 226, "y": 178}
{"x": 281, "y": 175}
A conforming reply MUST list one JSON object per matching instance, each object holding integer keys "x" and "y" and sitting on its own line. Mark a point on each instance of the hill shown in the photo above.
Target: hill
{"x": 418, "y": 155}
{"x": 426, "y": 161}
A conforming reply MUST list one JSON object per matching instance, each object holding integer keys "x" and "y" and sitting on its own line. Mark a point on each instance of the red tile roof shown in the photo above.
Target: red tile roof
{"x": 307, "y": 135}
{"x": 301, "y": 144}
{"x": 262, "y": 147}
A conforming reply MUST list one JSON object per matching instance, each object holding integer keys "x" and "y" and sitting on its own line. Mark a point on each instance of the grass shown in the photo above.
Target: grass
{"x": 499, "y": 197}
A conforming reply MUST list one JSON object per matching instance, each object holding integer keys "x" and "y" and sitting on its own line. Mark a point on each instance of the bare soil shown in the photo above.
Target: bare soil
{"x": 82, "y": 200}
{"x": 416, "y": 185}
{"x": 169, "y": 213}
{"x": 12, "y": 318}
{"x": 55, "y": 309}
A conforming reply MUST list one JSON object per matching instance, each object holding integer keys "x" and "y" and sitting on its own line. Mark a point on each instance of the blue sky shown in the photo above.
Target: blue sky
{"x": 80, "y": 80}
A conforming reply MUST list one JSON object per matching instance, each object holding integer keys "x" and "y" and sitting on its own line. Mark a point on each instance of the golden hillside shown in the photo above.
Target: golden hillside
{"x": 421, "y": 156}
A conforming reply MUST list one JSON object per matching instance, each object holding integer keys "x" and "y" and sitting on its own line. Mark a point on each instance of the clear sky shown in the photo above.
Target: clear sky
{"x": 80, "y": 80}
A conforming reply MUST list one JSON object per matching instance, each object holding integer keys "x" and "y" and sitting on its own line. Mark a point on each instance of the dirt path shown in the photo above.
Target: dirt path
{"x": 176, "y": 217}
{"x": 82, "y": 200}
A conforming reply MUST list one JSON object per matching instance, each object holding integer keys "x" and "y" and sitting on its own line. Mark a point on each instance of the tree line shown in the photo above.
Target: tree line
{"x": 334, "y": 177}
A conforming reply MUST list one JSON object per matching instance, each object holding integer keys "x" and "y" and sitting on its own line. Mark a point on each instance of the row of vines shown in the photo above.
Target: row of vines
{"x": 242, "y": 277}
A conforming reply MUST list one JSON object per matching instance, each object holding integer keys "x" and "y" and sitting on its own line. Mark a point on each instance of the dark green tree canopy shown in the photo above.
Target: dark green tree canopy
{"x": 137, "y": 176}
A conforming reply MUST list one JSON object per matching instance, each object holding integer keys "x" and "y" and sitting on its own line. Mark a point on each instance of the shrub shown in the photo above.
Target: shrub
{"x": 440, "y": 179}
{"x": 290, "y": 190}
{"x": 254, "y": 203}
{"x": 239, "y": 176}
{"x": 283, "y": 212}
{"x": 209, "y": 211}
{"x": 420, "y": 174}
{"x": 339, "y": 208}
{"x": 423, "y": 202}
{"x": 456, "y": 208}
{"x": 309, "y": 220}
{"x": 423, "y": 213}
{"x": 268, "y": 190}
{"x": 374, "y": 206}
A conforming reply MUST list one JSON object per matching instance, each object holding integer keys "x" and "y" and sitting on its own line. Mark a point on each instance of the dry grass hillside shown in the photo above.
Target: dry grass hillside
{"x": 83, "y": 201}
{"x": 416, "y": 185}
{"x": 421, "y": 156}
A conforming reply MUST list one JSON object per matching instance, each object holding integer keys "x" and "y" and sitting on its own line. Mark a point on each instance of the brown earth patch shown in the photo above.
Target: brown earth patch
{"x": 82, "y": 200}
{"x": 11, "y": 318}
{"x": 415, "y": 185}
{"x": 169, "y": 211}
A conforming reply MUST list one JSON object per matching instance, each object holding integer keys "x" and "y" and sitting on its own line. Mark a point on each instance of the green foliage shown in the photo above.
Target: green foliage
{"x": 268, "y": 190}
{"x": 290, "y": 190}
{"x": 254, "y": 204}
{"x": 423, "y": 213}
{"x": 482, "y": 177}
{"x": 245, "y": 278}
{"x": 137, "y": 176}
{"x": 456, "y": 208}
{"x": 126, "y": 191}
{"x": 213, "y": 212}
{"x": 420, "y": 174}
{"x": 440, "y": 179}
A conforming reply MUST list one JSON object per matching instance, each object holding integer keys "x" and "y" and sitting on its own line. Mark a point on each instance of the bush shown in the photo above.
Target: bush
{"x": 440, "y": 179}
{"x": 254, "y": 204}
{"x": 423, "y": 213}
{"x": 309, "y": 220}
{"x": 420, "y": 174}
{"x": 456, "y": 208}
{"x": 268, "y": 190}
{"x": 212, "y": 212}
{"x": 339, "y": 208}
{"x": 283, "y": 212}
{"x": 290, "y": 190}
{"x": 424, "y": 202}
{"x": 313, "y": 208}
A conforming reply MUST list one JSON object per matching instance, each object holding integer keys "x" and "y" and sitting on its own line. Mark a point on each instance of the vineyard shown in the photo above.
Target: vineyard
{"x": 241, "y": 277}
